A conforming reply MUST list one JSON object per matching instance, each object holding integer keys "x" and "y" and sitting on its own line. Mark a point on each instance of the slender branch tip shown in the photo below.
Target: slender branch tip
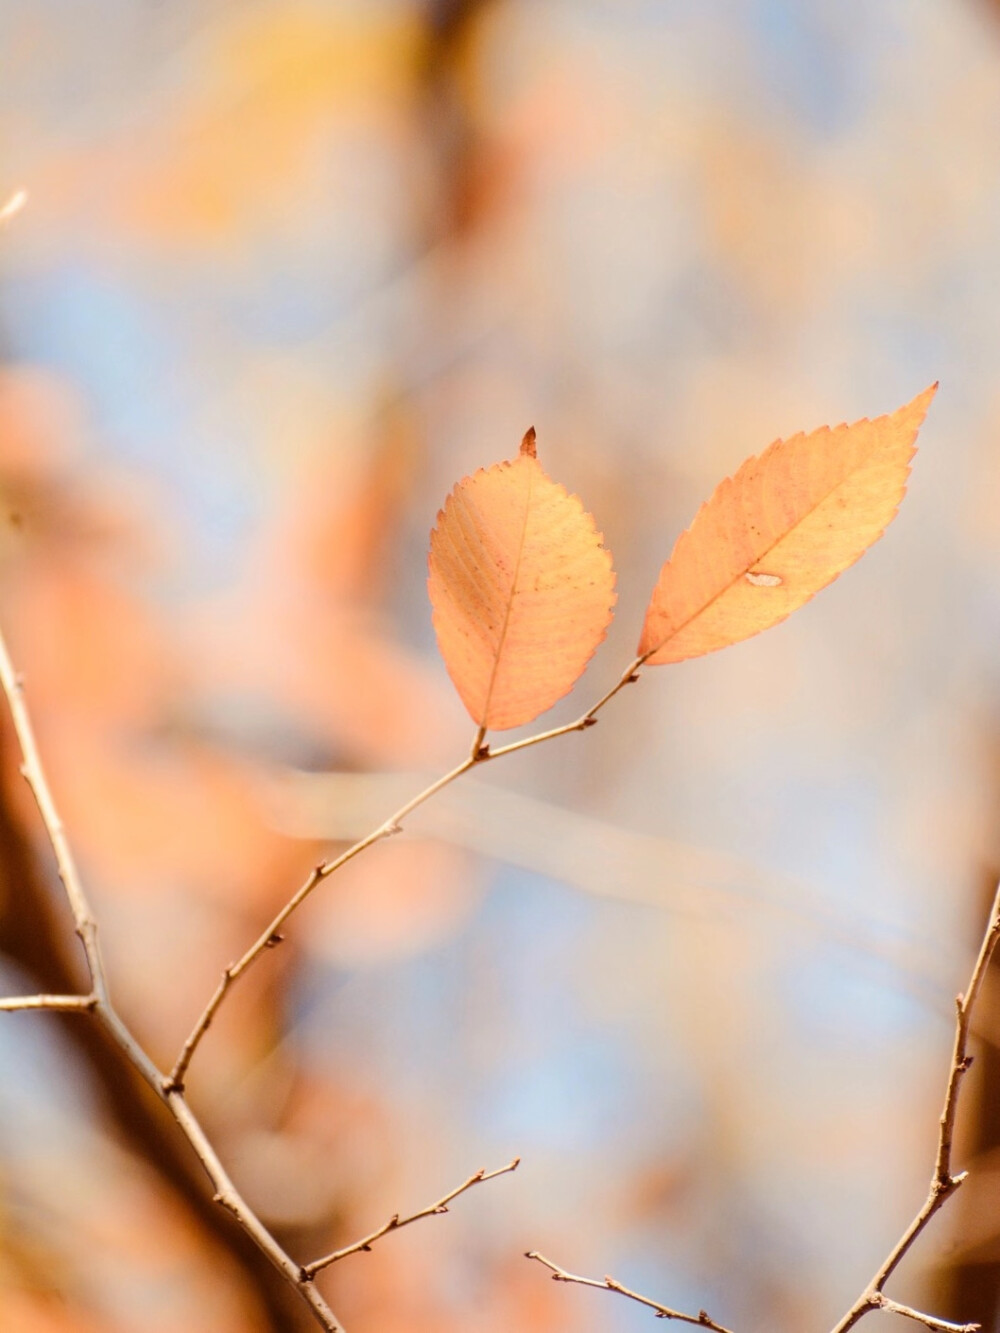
{"x": 396, "y": 1222}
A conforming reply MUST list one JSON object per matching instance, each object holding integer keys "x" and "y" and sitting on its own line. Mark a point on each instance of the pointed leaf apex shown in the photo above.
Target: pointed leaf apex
{"x": 522, "y": 590}
{"x": 784, "y": 526}
{"x": 528, "y": 449}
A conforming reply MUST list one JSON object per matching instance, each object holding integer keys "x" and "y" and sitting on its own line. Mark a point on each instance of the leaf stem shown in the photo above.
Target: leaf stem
{"x": 270, "y": 937}
{"x": 31, "y": 769}
{"x": 943, "y": 1183}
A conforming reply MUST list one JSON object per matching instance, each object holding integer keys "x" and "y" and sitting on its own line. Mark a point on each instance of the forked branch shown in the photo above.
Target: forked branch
{"x": 396, "y": 1223}
{"x": 100, "y": 1005}
{"x": 944, "y": 1182}
{"x": 271, "y": 936}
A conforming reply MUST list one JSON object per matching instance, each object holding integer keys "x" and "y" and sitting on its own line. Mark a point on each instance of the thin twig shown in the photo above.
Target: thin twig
{"x": 226, "y": 1193}
{"x": 34, "y": 935}
{"x": 628, "y": 677}
{"x": 271, "y": 935}
{"x": 64, "y": 1003}
{"x": 31, "y": 768}
{"x": 170, "y": 1087}
{"x": 943, "y": 1182}
{"x": 942, "y": 1325}
{"x": 610, "y": 1284}
{"x": 396, "y": 1223}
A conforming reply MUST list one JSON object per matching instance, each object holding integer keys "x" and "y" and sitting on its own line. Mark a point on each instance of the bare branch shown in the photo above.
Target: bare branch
{"x": 63, "y": 1003}
{"x": 942, "y": 1325}
{"x": 226, "y": 1193}
{"x": 943, "y": 1182}
{"x": 174, "y": 1082}
{"x": 628, "y": 677}
{"x": 270, "y": 936}
{"x": 170, "y": 1087}
{"x": 31, "y": 768}
{"x": 610, "y": 1284}
{"x": 396, "y": 1223}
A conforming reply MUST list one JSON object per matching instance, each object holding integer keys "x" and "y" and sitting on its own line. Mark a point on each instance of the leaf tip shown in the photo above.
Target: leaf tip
{"x": 922, "y": 402}
{"x": 528, "y": 448}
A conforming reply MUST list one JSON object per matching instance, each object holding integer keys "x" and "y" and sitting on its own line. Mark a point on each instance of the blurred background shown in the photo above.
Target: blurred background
{"x": 288, "y": 270}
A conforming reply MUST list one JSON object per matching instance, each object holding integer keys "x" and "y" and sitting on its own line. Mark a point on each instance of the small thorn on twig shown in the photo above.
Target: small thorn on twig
{"x": 392, "y": 829}
{"x": 304, "y": 1276}
{"x": 633, "y": 678}
{"x": 481, "y": 755}
{"x": 274, "y": 940}
{"x": 589, "y": 722}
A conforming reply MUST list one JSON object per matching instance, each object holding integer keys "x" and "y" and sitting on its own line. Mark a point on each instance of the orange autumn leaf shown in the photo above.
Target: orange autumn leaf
{"x": 521, "y": 588}
{"x": 784, "y": 526}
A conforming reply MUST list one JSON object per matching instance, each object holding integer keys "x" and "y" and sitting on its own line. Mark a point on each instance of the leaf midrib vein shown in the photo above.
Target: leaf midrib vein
{"x": 510, "y": 602}
{"x": 678, "y": 629}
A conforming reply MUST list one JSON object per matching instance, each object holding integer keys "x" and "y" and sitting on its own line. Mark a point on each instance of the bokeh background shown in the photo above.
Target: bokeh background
{"x": 289, "y": 269}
